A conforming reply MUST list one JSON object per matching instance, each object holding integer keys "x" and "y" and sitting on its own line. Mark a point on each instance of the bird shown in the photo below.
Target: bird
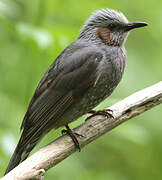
{"x": 82, "y": 76}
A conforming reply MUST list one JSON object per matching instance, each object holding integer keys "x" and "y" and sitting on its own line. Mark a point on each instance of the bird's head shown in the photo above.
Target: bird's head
{"x": 108, "y": 26}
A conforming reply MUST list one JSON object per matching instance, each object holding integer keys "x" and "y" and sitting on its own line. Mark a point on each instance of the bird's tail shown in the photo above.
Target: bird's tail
{"x": 21, "y": 152}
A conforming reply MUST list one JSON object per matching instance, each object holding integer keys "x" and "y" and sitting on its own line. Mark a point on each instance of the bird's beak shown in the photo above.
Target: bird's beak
{"x": 133, "y": 24}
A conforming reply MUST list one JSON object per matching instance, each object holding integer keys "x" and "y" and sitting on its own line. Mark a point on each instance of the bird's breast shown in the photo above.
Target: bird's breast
{"x": 109, "y": 74}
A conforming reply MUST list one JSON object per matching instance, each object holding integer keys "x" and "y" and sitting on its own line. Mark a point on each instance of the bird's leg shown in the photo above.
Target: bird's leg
{"x": 73, "y": 135}
{"x": 105, "y": 112}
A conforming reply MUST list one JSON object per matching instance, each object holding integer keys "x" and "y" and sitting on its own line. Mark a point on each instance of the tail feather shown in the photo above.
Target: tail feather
{"x": 21, "y": 153}
{"x": 15, "y": 160}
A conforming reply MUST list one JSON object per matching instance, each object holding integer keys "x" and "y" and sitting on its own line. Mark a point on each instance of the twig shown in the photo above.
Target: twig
{"x": 35, "y": 166}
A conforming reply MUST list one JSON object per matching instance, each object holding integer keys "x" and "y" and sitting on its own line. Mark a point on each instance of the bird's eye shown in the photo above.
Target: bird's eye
{"x": 111, "y": 26}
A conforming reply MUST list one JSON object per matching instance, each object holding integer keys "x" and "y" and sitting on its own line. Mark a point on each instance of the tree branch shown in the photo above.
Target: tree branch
{"x": 35, "y": 166}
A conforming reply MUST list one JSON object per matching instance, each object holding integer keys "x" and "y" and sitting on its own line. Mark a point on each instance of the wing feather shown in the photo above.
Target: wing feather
{"x": 56, "y": 94}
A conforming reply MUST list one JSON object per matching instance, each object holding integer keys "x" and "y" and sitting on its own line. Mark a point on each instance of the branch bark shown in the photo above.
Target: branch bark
{"x": 35, "y": 166}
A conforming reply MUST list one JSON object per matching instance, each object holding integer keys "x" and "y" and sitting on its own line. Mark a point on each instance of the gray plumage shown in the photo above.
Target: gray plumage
{"x": 81, "y": 77}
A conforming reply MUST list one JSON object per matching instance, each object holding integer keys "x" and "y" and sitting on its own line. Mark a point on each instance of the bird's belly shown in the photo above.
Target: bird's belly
{"x": 98, "y": 93}
{"x": 95, "y": 95}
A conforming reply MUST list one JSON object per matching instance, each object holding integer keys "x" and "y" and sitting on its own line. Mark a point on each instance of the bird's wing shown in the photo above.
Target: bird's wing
{"x": 58, "y": 90}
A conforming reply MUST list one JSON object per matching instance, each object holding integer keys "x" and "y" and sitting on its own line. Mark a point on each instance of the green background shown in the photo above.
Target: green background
{"x": 32, "y": 34}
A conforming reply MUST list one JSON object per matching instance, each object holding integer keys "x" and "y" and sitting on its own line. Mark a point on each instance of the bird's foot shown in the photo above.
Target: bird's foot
{"x": 106, "y": 112}
{"x": 73, "y": 136}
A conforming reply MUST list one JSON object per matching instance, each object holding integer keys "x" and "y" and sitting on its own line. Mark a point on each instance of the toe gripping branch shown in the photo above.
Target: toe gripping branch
{"x": 73, "y": 136}
{"x": 106, "y": 112}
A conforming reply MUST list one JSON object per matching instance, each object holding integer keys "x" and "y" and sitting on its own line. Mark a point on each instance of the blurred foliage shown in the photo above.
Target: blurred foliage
{"x": 32, "y": 34}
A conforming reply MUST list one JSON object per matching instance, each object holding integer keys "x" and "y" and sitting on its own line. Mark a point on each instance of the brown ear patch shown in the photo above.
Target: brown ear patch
{"x": 103, "y": 34}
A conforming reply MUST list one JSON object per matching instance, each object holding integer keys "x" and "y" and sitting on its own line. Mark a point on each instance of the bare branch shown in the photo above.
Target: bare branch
{"x": 35, "y": 166}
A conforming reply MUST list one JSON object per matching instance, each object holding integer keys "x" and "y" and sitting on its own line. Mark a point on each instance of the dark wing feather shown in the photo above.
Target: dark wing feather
{"x": 67, "y": 80}
{"x": 70, "y": 81}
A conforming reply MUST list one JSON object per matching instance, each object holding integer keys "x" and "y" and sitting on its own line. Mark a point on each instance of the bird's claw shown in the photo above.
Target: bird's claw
{"x": 106, "y": 112}
{"x": 65, "y": 131}
{"x": 73, "y": 135}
